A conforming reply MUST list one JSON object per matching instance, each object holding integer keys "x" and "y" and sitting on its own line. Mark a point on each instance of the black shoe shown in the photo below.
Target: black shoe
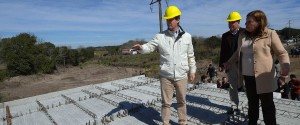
{"x": 241, "y": 89}
{"x": 230, "y": 111}
{"x": 236, "y": 110}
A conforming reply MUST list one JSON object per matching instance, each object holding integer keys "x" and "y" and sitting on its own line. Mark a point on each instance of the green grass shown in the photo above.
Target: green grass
{"x": 98, "y": 53}
{"x": 150, "y": 62}
{"x": 139, "y": 60}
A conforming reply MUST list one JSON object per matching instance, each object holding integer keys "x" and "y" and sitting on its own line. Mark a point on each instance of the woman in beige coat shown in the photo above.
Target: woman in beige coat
{"x": 256, "y": 47}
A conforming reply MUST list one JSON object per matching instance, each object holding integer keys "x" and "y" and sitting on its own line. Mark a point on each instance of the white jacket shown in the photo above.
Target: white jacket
{"x": 176, "y": 58}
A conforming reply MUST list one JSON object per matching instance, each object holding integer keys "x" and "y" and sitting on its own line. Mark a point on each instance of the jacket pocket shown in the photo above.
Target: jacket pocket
{"x": 185, "y": 65}
{"x": 165, "y": 69}
{"x": 183, "y": 68}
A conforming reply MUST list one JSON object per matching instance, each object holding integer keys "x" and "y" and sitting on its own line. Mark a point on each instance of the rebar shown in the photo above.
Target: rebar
{"x": 145, "y": 92}
{"x": 90, "y": 113}
{"x": 42, "y": 107}
{"x": 107, "y": 91}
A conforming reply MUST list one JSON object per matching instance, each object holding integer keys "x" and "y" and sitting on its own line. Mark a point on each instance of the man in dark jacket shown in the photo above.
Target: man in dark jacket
{"x": 283, "y": 88}
{"x": 228, "y": 47}
{"x": 211, "y": 72}
{"x": 294, "y": 85}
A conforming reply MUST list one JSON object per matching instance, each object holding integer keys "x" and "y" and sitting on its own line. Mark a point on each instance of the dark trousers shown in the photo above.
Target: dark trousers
{"x": 267, "y": 104}
{"x": 293, "y": 95}
{"x": 297, "y": 96}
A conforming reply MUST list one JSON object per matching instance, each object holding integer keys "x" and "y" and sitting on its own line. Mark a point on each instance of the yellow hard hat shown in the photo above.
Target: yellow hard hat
{"x": 171, "y": 12}
{"x": 234, "y": 16}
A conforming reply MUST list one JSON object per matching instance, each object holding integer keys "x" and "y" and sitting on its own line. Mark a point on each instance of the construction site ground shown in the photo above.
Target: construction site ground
{"x": 90, "y": 73}
{"x": 71, "y": 77}
{"x": 64, "y": 78}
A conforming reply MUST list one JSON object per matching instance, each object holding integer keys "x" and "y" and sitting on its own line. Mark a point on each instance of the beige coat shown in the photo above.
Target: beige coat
{"x": 264, "y": 48}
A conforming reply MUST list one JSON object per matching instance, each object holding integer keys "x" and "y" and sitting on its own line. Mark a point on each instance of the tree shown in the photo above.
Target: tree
{"x": 207, "y": 48}
{"x": 62, "y": 55}
{"x": 19, "y": 53}
{"x": 45, "y": 60}
{"x": 86, "y": 54}
{"x": 23, "y": 55}
{"x": 47, "y": 49}
{"x": 113, "y": 50}
{"x": 74, "y": 57}
{"x": 45, "y": 64}
{"x": 213, "y": 42}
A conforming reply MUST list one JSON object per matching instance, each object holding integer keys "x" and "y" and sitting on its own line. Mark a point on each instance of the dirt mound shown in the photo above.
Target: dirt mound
{"x": 64, "y": 78}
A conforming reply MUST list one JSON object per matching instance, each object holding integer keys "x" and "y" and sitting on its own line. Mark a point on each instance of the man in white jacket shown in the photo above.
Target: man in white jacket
{"x": 177, "y": 63}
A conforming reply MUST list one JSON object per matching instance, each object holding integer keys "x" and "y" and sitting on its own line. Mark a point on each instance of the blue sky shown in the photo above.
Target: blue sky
{"x": 84, "y": 23}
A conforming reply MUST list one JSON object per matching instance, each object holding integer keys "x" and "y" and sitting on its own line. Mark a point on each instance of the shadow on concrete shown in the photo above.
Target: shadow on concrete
{"x": 147, "y": 115}
{"x": 205, "y": 110}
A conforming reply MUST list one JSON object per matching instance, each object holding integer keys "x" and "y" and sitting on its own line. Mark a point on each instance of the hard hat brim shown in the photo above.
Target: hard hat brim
{"x": 170, "y": 17}
{"x": 167, "y": 17}
{"x": 233, "y": 20}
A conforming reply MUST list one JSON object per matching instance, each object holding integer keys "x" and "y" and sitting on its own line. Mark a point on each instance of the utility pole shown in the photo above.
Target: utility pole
{"x": 160, "y": 16}
{"x": 160, "y": 13}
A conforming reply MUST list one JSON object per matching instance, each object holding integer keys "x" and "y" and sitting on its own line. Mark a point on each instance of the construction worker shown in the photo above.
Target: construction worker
{"x": 177, "y": 63}
{"x": 228, "y": 47}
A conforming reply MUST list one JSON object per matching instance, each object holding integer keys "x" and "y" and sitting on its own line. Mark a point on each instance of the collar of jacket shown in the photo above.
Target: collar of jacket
{"x": 172, "y": 33}
{"x": 266, "y": 34}
{"x": 233, "y": 33}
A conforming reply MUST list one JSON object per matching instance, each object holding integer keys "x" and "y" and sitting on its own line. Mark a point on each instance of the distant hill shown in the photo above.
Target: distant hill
{"x": 201, "y": 45}
{"x": 287, "y": 33}
{"x": 130, "y": 43}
